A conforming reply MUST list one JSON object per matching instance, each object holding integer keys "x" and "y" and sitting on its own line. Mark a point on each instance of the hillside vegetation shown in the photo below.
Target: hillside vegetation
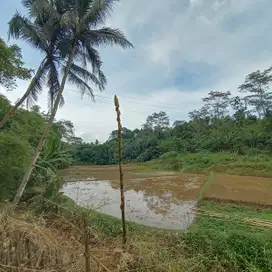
{"x": 226, "y": 162}
{"x": 18, "y": 140}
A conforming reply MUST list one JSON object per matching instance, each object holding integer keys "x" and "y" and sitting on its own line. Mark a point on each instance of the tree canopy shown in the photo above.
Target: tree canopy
{"x": 257, "y": 88}
{"x": 11, "y": 66}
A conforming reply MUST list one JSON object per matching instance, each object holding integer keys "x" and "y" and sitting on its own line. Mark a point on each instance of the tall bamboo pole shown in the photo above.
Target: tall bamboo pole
{"x": 122, "y": 205}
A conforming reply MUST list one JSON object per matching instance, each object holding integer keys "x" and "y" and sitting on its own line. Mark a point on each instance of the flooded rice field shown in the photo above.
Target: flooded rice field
{"x": 158, "y": 199}
{"x": 151, "y": 210}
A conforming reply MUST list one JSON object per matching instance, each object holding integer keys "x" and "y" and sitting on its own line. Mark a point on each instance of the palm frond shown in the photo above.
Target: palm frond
{"x": 86, "y": 54}
{"x": 87, "y": 76}
{"x": 106, "y": 36}
{"x": 28, "y": 3}
{"x": 82, "y": 6}
{"x": 81, "y": 56}
{"x": 21, "y": 27}
{"x": 93, "y": 57}
{"x": 81, "y": 84}
{"x": 42, "y": 25}
{"x": 36, "y": 8}
{"x": 102, "y": 78}
{"x": 36, "y": 85}
{"x": 50, "y": 27}
{"x": 98, "y": 12}
{"x": 64, "y": 45}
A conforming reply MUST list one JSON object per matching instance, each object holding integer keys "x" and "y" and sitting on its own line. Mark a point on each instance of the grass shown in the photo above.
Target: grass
{"x": 238, "y": 210}
{"x": 205, "y": 188}
{"x": 30, "y": 243}
{"x": 210, "y": 244}
{"x": 240, "y": 247}
{"x": 144, "y": 168}
{"x": 219, "y": 162}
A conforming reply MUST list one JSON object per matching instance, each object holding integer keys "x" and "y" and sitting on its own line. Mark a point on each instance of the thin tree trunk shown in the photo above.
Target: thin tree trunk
{"x": 45, "y": 132}
{"x": 122, "y": 205}
{"x": 11, "y": 112}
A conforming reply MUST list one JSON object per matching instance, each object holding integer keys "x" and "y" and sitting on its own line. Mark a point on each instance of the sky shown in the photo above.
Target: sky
{"x": 182, "y": 50}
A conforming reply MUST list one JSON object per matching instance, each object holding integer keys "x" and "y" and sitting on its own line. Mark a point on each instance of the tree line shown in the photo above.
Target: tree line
{"x": 224, "y": 123}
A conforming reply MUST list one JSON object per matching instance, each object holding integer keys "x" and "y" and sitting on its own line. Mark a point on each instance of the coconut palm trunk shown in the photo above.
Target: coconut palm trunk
{"x": 46, "y": 131}
{"x": 11, "y": 112}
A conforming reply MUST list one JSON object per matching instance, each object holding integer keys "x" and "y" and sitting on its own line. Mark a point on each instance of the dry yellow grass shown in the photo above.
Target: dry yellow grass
{"x": 27, "y": 244}
{"x": 30, "y": 243}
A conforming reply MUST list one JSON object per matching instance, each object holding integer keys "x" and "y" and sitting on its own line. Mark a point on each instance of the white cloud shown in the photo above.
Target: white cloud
{"x": 210, "y": 44}
{"x": 194, "y": 3}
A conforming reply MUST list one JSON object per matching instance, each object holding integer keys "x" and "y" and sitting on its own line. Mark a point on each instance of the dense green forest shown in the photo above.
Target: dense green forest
{"x": 17, "y": 143}
{"x": 240, "y": 125}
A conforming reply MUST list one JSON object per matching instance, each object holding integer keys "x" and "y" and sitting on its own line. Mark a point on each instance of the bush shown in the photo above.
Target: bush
{"x": 13, "y": 158}
{"x": 240, "y": 249}
{"x": 221, "y": 162}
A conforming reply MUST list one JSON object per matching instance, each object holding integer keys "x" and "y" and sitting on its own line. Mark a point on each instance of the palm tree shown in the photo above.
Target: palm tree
{"x": 22, "y": 27}
{"x": 42, "y": 33}
{"x": 77, "y": 39}
{"x": 56, "y": 155}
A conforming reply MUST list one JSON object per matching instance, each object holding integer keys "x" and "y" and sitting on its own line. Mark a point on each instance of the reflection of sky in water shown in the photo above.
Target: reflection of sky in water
{"x": 155, "y": 211}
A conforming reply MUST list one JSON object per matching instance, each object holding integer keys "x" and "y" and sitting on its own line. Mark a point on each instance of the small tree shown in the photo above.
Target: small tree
{"x": 11, "y": 66}
{"x": 257, "y": 86}
{"x": 217, "y": 103}
{"x": 157, "y": 121}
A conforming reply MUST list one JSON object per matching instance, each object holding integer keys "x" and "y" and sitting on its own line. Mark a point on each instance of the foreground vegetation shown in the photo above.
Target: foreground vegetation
{"x": 210, "y": 244}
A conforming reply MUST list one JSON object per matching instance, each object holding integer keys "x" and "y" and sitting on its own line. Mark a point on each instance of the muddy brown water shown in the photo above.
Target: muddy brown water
{"x": 158, "y": 199}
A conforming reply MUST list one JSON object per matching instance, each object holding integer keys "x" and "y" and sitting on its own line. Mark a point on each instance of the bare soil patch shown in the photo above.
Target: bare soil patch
{"x": 184, "y": 186}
